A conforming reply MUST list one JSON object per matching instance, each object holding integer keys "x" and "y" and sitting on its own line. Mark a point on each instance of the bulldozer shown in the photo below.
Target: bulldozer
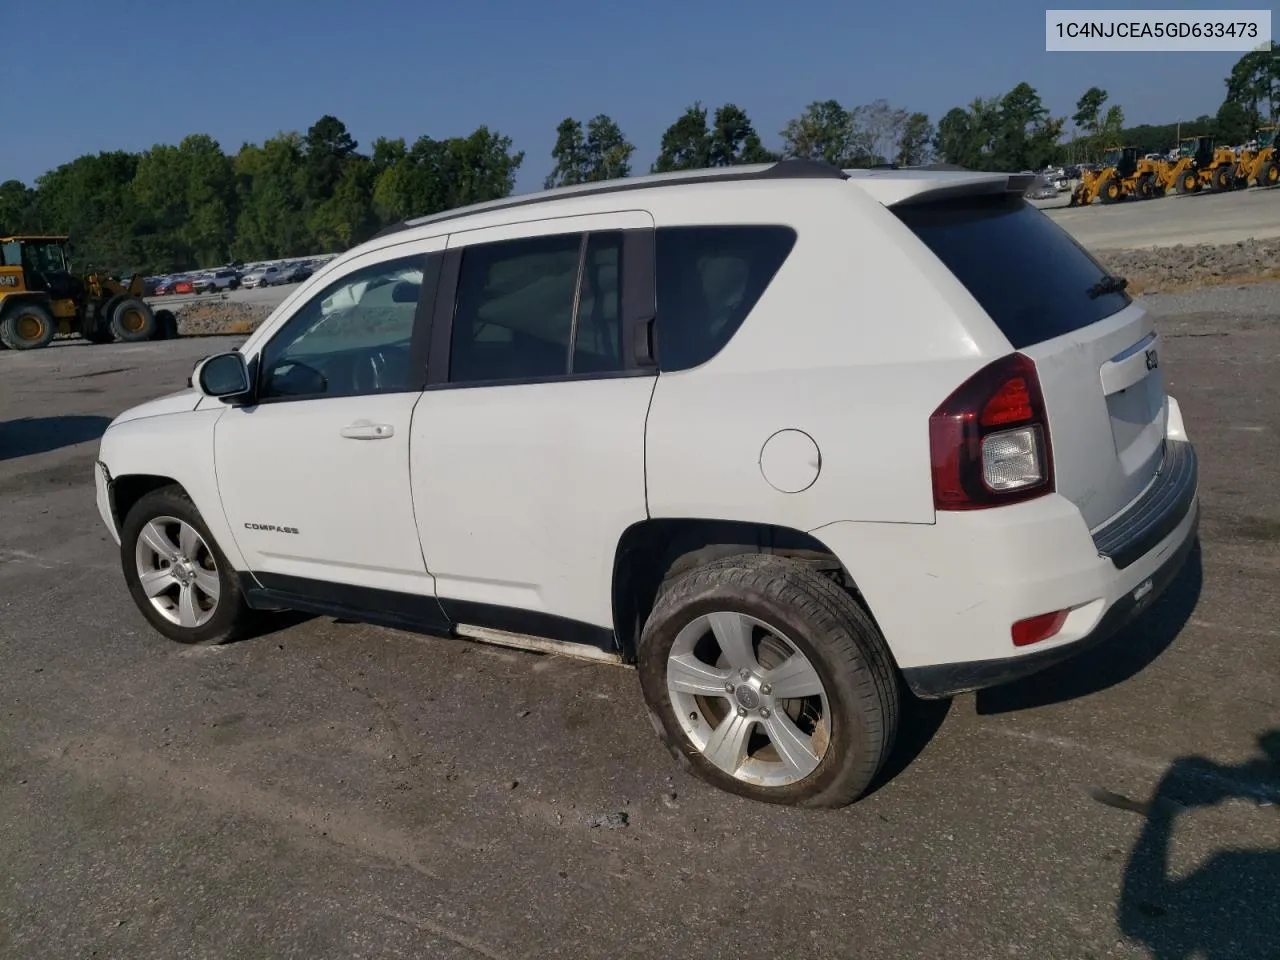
{"x": 1123, "y": 174}
{"x": 1260, "y": 166}
{"x": 40, "y": 298}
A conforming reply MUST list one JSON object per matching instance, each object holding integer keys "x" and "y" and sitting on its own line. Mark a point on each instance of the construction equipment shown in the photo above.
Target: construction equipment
{"x": 40, "y": 298}
{"x": 1260, "y": 166}
{"x": 1215, "y": 165}
{"x": 1123, "y": 174}
{"x": 1183, "y": 176}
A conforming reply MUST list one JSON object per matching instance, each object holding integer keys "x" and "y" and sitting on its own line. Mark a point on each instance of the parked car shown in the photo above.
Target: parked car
{"x": 297, "y": 272}
{"x": 218, "y": 280}
{"x": 780, "y": 436}
{"x": 262, "y": 277}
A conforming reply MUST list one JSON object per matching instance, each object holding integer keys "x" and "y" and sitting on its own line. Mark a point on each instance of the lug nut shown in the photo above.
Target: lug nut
{"x": 766, "y": 689}
{"x": 744, "y": 673}
{"x": 728, "y": 688}
{"x": 742, "y": 711}
{"x": 764, "y": 712}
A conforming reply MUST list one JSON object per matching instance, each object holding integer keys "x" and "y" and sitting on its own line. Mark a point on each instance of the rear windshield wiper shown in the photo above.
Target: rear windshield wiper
{"x": 1108, "y": 284}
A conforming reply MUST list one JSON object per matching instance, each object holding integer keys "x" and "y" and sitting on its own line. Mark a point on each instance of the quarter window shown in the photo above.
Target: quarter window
{"x": 352, "y": 338}
{"x": 708, "y": 281}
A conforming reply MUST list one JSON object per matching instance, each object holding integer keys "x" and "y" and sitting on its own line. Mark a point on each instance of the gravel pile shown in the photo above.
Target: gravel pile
{"x": 1186, "y": 267}
{"x": 214, "y": 317}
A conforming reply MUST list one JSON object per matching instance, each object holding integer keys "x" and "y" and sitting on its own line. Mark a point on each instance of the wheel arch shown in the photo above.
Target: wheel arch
{"x": 652, "y": 551}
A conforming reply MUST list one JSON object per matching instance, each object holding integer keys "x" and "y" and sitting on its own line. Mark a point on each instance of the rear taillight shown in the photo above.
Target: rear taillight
{"x": 989, "y": 440}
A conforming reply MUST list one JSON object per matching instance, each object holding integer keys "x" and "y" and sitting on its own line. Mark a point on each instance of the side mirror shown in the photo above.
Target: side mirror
{"x": 223, "y": 375}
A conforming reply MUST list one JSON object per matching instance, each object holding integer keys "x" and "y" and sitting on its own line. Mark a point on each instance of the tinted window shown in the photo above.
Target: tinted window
{"x": 1028, "y": 273}
{"x": 709, "y": 279}
{"x": 514, "y": 312}
{"x": 351, "y": 338}
{"x": 598, "y": 340}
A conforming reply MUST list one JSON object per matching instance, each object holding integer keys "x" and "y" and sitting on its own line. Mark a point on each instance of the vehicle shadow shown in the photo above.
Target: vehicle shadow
{"x": 22, "y": 438}
{"x": 918, "y": 723}
{"x": 1114, "y": 660}
{"x": 1226, "y": 909}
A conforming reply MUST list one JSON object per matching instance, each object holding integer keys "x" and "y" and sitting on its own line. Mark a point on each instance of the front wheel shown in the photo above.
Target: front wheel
{"x": 176, "y": 573}
{"x": 27, "y": 326}
{"x": 132, "y": 321}
{"x": 766, "y": 679}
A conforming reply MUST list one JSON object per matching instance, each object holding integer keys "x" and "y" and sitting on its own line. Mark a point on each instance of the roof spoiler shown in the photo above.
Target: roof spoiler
{"x": 978, "y": 185}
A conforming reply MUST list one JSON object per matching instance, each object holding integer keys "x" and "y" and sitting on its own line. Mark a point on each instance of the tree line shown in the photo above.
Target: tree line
{"x": 179, "y": 207}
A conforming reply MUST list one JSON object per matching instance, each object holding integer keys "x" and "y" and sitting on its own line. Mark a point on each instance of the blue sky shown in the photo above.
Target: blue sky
{"x": 245, "y": 71}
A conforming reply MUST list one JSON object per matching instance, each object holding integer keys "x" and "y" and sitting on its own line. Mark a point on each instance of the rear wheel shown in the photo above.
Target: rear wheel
{"x": 766, "y": 679}
{"x": 133, "y": 321}
{"x": 27, "y": 326}
{"x": 177, "y": 574}
{"x": 166, "y": 325}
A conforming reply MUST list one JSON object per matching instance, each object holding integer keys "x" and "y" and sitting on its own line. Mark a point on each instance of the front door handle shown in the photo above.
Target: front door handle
{"x": 363, "y": 430}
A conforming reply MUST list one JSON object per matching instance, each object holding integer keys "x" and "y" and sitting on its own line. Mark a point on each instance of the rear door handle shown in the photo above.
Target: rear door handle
{"x": 363, "y": 430}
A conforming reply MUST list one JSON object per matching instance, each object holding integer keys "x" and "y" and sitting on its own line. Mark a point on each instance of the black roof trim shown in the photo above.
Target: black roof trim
{"x": 796, "y": 168}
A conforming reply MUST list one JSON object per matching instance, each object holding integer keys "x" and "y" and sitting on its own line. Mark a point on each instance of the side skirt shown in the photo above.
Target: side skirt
{"x": 504, "y": 626}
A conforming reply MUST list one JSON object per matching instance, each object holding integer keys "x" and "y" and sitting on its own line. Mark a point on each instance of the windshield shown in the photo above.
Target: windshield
{"x": 47, "y": 257}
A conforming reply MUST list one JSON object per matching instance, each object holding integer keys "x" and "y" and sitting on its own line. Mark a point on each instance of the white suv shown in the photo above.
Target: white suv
{"x": 777, "y": 435}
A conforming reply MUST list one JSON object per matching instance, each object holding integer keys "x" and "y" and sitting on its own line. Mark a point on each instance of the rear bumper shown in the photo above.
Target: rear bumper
{"x": 951, "y": 679}
{"x": 946, "y": 594}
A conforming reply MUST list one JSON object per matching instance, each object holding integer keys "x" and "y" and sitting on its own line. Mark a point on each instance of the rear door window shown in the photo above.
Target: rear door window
{"x": 1033, "y": 279}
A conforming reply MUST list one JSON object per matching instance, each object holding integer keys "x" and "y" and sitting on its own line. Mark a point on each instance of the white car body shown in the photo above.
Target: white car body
{"x": 506, "y": 510}
{"x": 262, "y": 277}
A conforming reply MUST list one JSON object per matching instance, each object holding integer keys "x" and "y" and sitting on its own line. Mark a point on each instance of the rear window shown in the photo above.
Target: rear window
{"x": 1029, "y": 274}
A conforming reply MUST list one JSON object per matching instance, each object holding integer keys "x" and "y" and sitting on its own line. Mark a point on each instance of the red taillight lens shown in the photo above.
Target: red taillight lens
{"x": 989, "y": 440}
{"x": 1037, "y": 628}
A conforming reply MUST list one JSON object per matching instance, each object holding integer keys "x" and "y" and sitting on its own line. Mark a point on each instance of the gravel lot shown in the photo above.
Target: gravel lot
{"x": 337, "y": 790}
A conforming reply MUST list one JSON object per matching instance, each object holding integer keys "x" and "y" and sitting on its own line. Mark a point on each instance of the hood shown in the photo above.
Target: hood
{"x": 178, "y": 402}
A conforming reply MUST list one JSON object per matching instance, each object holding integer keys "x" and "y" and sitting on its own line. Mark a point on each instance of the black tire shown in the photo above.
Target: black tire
{"x": 166, "y": 325}
{"x": 825, "y": 624}
{"x": 27, "y": 326}
{"x": 232, "y": 617}
{"x": 1220, "y": 180}
{"x": 132, "y": 321}
{"x": 1268, "y": 175}
{"x": 1110, "y": 191}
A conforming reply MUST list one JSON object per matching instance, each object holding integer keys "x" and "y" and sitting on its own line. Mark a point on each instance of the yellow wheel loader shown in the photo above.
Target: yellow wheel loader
{"x": 1123, "y": 174}
{"x": 41, "y": 298}
{"x": 1183, "y": 175}
{"x": 1260, "y": 167}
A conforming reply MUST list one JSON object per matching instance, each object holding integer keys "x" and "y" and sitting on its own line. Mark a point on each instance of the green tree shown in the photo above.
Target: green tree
{"x": 1026, "y": 136}
{"x": 914, "y": 144}
{"x": 1254, "y": 87}
{"x": 686, "y": 144}
{"x": 602, "y": 153}
{"x": 1089, "y": 109}
{"x": 16, "y": 202}
{"x": 824, "y": 131}
{"x": 734, "y": 140}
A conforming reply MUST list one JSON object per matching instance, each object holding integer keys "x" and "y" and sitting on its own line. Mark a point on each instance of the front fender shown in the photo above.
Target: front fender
{"x": 178, "y": 446}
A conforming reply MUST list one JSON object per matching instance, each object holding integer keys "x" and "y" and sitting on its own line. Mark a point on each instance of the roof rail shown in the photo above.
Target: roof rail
{"x": 794, "y": 168}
